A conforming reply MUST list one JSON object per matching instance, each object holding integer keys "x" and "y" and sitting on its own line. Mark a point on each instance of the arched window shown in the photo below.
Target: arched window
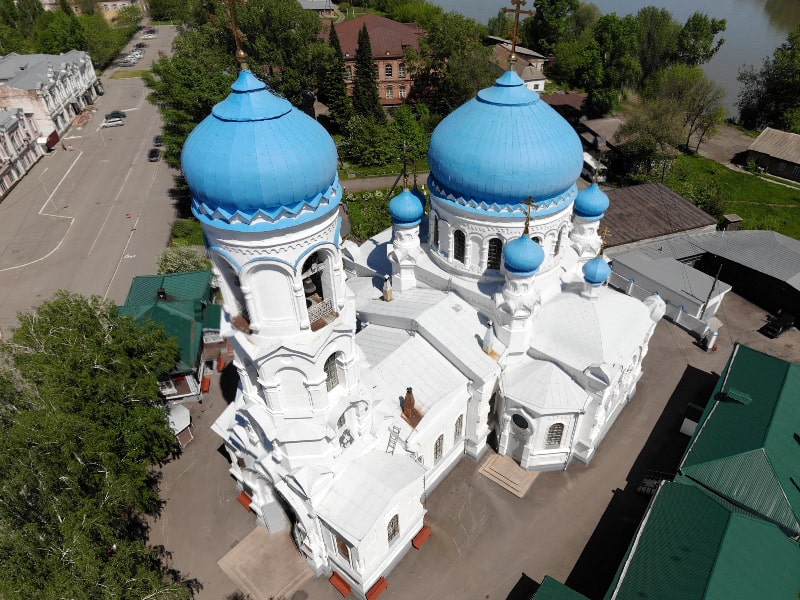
{"x": 459, "y": 428}
{"x": 495, "y": 253}
{"x": 554, "y": 435}
{"x": 436, "y": 231}
{"x": 438, "y": 449}
{"x": 537, "y": 239}
{"x": 349, "y": 70}
{"x": 388, "y": 70}
{"x": 559, "y": 240}
{"x": 393, "y": 528}
{"x": 459, "y": 245}
{"x": 331, "y": 372}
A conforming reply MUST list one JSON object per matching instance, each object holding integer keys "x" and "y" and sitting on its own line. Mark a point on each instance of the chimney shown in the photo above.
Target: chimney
{"x": 162, "y": 293}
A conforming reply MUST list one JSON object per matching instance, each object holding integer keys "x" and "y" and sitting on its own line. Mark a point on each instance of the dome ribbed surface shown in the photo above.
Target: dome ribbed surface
{"x": 257, "y": 158}
{"x": 405, "y": 208}
{"x": 505, "y": 145}
{"x": 591, "y": 203}
{"x": 596, "y": 271}
{"x": 523, "y": 256}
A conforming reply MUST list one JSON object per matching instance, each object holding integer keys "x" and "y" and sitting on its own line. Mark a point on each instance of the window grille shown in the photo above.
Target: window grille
{"x": 459, "y": 245}
{"x": 393, "y": 528}
{"x": 436, "y": 231}
{"x": 402, "y": 91}
{"x": 554, "y": 434}
{"x": 331, "y": 373}
{"x": 495, "y": 253}
{"x": 458, "y": 428}
{"x": 438, "y": 449}
{"x": 390, "y": 92}
{"x": 388, "y": 71}
{"x": 402, "y": 70}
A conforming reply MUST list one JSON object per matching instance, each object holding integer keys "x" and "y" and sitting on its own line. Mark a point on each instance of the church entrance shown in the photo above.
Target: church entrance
{"x": 519, "y": 434}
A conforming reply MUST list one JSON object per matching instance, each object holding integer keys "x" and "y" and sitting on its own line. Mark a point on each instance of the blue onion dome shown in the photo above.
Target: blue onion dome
{"x": 405, "y": 208}
{"x": 591, "y": 203}
{"x": 504, "y": 145}
{"x": 596, "y": 271}
{"x": 420, "y": 196}
{"x": 523, "y": 256}
{"x": 257, "y": 163}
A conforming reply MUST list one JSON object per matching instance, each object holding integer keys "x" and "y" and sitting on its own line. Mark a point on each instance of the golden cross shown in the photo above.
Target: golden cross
{"x": 604, "y": 235}
{"x": 529, "y": 202}
{"x": 517, "y": 10}
{"x": 238, "y": 36}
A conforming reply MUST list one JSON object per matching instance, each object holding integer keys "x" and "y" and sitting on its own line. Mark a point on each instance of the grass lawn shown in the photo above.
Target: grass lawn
{"x": 761, "y": 203}
{"x": 129, "y": 74}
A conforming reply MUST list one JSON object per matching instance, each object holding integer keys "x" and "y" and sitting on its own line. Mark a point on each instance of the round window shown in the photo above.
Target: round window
{"x": 520, "y": 421}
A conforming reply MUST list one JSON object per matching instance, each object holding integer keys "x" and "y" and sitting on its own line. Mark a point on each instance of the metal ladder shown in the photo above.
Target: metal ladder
{"x": 395, "y": 433}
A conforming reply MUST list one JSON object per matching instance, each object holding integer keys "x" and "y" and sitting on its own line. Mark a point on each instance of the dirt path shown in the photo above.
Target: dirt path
{"x": 726, "y": 144}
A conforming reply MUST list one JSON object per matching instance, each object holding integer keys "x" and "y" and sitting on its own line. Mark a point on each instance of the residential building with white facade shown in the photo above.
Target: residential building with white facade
{"x": 480, "y": 322}
{"x": 19, "y": 149}
{"x": 53, "y": 88}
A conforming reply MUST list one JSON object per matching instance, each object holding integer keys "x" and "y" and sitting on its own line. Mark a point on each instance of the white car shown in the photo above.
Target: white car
{"x": 112, "y": 123}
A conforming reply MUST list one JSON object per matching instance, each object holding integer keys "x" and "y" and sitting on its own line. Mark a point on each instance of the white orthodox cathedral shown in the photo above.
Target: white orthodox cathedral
{"x": 367, "y": 372}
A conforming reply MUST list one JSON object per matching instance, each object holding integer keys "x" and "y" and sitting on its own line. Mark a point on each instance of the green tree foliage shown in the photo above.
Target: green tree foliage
{"x": 181, "y": 259}
{"x": 82, "y": 428}
{"x": 452, "y": 64}
{"x": 102, "y": 42}
{"x": 29, "y": 11}
{"x": 769, "y": 96}
{"x": 366, "y": 101}
{"x": 658, "y": 40}
{"x": 334, "y": 85}
{"x": 12, "y": 40}
{"x": 696, "y": 42}
{"x": 368, "y": 142}
{"x": 501, "y": 25}
{"x": 550, "y": 24}
{"x": 650, "y": 134}
{"x": 421, "y": 12}
{"x": 583, "y": 20}
{"x": 128, "y": 18}
{"x": 168, "y": 10}
{"x": 408, "y": 132}
{"x": 57, "y": 31}
{"x": 368, "y": 212}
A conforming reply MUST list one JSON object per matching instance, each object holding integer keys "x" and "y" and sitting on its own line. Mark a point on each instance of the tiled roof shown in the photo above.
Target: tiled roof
{"x": 641, "y": 212}
{"x": 689, "y": 546}
{"x": 387, "y": 38}
{"x": 778, "y": 144}
{"x": 746, "y": 448}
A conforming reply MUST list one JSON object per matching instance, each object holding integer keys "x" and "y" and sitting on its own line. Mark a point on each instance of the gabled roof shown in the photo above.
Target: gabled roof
{"x": 689, "y": 546}
{"x": 747, "y": 446}
{"x": 182, "y": 311}
{"x": 387, "y": 38}
{"x": 778, "y": 144}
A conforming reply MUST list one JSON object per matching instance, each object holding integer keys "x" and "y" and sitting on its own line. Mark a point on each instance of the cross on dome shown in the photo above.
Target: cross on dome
{"x": 517, "y": 10}
{"x": 238, "y": 36}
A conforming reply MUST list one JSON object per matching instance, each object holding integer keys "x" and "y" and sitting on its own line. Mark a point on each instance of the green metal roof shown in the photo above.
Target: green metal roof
{"x": 690, "y": 546}
{"x": 552, "y": 589}
{"x": 183, "y": 312}
{"x": 745, "y": 447}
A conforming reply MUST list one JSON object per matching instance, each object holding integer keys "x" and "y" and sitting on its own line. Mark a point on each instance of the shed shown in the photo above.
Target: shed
{"x": 777, "y": 152}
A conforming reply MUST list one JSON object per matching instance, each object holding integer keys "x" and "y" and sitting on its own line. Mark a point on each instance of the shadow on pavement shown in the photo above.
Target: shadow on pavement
{"x": 524, "y": 589}
{"x": 605, "y": 550}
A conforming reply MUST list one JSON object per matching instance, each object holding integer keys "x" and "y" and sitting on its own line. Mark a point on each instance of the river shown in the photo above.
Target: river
{"x": 754, "y": 28}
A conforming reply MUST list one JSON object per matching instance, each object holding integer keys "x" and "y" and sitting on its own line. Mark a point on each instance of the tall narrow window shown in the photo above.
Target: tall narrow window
{"x": 438, "y": 449}
{"x": 554, "y": 435}
{"x": 559, "y": 240}
{"x": 402, "y": 91}
{"x": 436, "y": 231}
{"x": 402, "y": 70}
{"x": 495, "y": 253}
{"x": 459, "y": 245}
{"x": 349, "y": 71}
{"x": 342, "y": 548}
{"x": 331, "y": 374}
{"x": 393, "y": 528}
{"x": 459, "y": 428}
{"x": 388, "y": 71}
{"x": 389, "y": 92}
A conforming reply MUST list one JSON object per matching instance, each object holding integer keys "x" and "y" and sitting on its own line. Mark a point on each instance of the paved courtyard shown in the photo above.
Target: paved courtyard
{"x": 573, "y": 525}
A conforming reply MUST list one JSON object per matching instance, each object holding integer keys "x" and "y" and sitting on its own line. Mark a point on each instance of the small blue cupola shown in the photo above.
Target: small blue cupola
{"x": 406, "y": 208}
{"x": 256, "y": 163}
{"x": 523, "y": 256}
{"x": 596, "y": 271}
{"x": 591, "y": 203}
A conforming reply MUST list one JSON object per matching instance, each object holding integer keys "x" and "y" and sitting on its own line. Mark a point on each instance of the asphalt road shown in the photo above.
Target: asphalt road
{"x": 90, "y": 219}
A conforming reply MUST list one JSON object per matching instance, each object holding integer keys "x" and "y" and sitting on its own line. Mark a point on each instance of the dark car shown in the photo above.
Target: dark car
{"x": 158, "y": 141}
{"x": 777, "y": 324}
{"x": 116, "y": 114}
{"x": 154, "y": 154}
{"x": 141, "y": 45}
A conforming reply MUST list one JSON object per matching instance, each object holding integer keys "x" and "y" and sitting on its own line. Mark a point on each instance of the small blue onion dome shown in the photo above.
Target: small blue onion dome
{"x": 256, "y": 159}
{"x": 504, "y": 145}
{"x": 591, "y": 203}
{"x": 523, "y": 256}
{"x": 406, "y": 209}
{"x": 596, "y": 271}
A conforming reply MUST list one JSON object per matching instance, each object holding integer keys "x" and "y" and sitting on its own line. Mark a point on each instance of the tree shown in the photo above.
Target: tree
{"x": 409, "y": 133}
{"x": 452, "y": 64}
{"x": 696, "y": 41}
{"x": 29, "y": 11}
{"x": 658, "y": 40}
{"x": 368, "y": 142}
{"x": 583, "y": 20}
{"x": 57, "y": 31}
{"x": 366, "y": 101}
{"x": 501, "y": 25}
{"x": 334, "y": 85}
{"x": 181, "y": 259}
{"x": 650, "y": 135}
{"x": 550, "y": 24}
{"x": 167, "y": 10}
{"x": 82, "y": 428}
{"x": 769, "y": 96}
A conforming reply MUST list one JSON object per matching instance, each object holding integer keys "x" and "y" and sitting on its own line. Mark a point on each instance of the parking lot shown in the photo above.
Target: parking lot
{"x": 91, "y": 218}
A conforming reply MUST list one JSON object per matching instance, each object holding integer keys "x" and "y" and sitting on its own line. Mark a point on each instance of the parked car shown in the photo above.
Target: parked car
{"x": 154, "y": 154}
{"x": 116, "y": 114}
{"x": 158, "y": 141}
{"x": 112, "y": 123}
{"x": 778, "y": 323}
{"x": 141, "y": 45}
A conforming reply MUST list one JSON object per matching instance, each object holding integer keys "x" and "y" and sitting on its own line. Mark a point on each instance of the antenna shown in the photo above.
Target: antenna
{"x": 518, "y": 4}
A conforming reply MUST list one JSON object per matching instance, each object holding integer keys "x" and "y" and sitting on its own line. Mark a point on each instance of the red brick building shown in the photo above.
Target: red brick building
{"x": 389, "y": 39}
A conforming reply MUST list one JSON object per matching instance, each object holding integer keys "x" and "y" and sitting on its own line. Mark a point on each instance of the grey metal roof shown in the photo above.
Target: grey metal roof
{"x": 778, "y": 144}
{"x": 31, "y": 71}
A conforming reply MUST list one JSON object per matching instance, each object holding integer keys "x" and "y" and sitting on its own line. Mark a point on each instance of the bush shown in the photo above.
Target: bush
{"x": 181, "y": 259}
{"x": 187, "y": 232}
{"x": 368, "y": 212}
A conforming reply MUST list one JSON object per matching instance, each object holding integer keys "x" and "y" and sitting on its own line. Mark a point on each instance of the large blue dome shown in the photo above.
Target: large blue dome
{"x": 504, "y": 145}
{"x": 591, "y": 203}
{"x": 256, "y": 160}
